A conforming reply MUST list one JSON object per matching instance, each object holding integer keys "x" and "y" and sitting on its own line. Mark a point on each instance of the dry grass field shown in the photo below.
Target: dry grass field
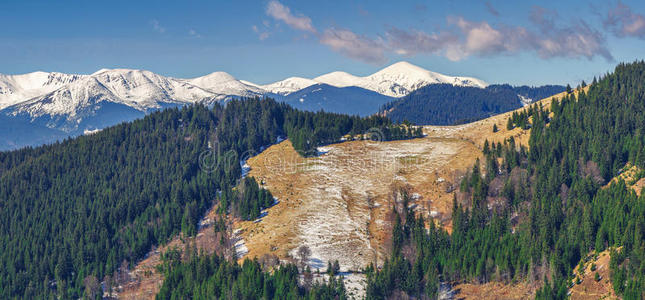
{"x": 589, "y": 288}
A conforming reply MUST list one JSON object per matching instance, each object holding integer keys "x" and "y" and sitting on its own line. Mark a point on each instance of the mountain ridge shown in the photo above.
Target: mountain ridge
{"x": 72, "y": 104}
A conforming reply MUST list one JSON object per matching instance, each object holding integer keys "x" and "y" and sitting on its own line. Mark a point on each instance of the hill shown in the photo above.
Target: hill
{"x": 349, "y": 100}
{"x": 87, "y": 207}
{"x": 444, "y": 104}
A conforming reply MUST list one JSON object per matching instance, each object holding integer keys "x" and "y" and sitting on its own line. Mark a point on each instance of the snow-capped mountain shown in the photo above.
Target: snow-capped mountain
{"x": 68, "y": 106}
{"x": 223, "y": 84}
{"x": 18, "y": 88}
{"x": 56, "y": 105}
{"x": 397, "y": 80}
{"x": 288, "y": 86}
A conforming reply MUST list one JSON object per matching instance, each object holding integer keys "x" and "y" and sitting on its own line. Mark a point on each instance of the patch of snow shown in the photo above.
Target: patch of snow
{"x": 525, "y": 100}
{"x": 240, "y": 247}
{"x": 90, "y": 132}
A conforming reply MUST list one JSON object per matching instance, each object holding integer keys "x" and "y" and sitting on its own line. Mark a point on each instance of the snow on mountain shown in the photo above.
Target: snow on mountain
{"x": 341, "y": 79}
{"x": 18, "y": 88}
{"x": 141, "y": 90}
{"x": 397, "y": 80}
{"x": 288, "y": 86}
{"x": 55, "y": 105}
{"x": 224, "y": 84}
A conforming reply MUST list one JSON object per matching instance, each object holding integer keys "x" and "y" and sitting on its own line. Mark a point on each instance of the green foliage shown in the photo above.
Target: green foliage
{"x": 556, "y": 185}
{"x": 213, "y": 277}
{"x": 85, "y": 205}
{"x": 246, "y": 201}
{"x": 446, "y": 104}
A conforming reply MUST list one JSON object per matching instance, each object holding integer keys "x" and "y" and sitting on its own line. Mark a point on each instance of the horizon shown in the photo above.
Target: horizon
{"x": 268, "y": 41}
{"x": 255, "y": 83}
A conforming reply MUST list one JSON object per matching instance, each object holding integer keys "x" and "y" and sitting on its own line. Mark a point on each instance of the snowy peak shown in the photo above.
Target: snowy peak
{"x": 397, "y": 80}
{"x": 77, "y": 99}
{"x": 43, "y": 93}
{"x": 225, "y": 84}
{"x": 18, "y": 88}
{"x": 289, "y": 85}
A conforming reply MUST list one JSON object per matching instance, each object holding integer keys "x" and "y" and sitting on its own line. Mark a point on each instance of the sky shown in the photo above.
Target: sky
{"x": 516, "y": 42}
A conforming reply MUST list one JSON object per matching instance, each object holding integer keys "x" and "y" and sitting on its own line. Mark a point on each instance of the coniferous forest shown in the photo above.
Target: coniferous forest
{"x": 446, "y": 104}
{"x": 85, "y": 206}
{"x": 88, "y": 205}
{"x": 536, "y": 214}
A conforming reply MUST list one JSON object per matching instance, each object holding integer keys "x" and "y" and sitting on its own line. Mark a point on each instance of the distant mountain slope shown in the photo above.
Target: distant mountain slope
{"x": 444, "y": 104}
{"x": 529, "y": 94}
{"x": 346, "y": 100}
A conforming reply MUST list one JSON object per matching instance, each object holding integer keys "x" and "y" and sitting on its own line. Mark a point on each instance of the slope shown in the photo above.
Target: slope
{"x": 346, "y": 100}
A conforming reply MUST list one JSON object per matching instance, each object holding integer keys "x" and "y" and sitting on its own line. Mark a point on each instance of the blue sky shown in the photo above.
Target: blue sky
{"x": 517, "y": 42}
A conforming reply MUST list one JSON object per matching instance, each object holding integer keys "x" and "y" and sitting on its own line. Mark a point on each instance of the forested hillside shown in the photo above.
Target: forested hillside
{"x": 81, "y": 208}
{"x": 538, "y": 213}
{"x": 445, "y": 104}
{"x": 213, "y": 277}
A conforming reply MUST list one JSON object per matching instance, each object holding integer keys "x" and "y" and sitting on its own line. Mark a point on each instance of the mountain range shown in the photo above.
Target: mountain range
{"x": 43, "y": 107}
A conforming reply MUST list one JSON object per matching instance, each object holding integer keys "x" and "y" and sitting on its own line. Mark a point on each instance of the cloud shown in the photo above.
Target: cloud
{"x": 463, "y": 38}
{"x": 353, "y": 45}
{"x": 414, "y": 42}
{"x": 262, "y": 35}
{"x": 194, "y": 34}
{"x": 342, "y": 41}
{"x": 156, "y": 26}
{"x": 575, "y": 40}
{"x": 624, "y": 23}
{"x": 491, "y": 9}
{"x": 280, "y": 12}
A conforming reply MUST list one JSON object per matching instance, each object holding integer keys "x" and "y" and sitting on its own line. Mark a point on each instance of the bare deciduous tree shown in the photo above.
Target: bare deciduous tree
{"x": 303, "y": 254}
{"x": 92, "y": 287}
{"x": 268, "y": 261}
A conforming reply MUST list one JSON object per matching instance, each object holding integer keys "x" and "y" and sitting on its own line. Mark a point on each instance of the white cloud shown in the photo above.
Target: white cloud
{"x": 354, "y": 46}
{"x": 262, "y": 35}
{"x": 280, "y": 12}
{"x": 156, "y": 26}
{"x": 194, "y": 33}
